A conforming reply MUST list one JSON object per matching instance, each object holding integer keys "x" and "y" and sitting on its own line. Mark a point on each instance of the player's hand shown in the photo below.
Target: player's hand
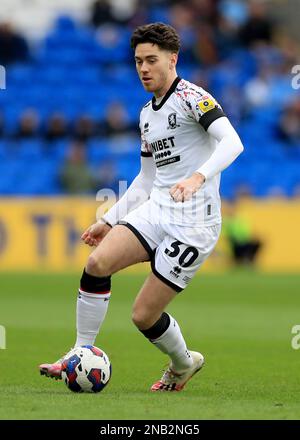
{"x": 183, "y": 191}
{"x": 95, "y": 233}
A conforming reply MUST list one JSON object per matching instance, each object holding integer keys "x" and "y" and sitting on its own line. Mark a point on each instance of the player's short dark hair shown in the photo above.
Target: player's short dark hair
{"x": 164, "y": 35}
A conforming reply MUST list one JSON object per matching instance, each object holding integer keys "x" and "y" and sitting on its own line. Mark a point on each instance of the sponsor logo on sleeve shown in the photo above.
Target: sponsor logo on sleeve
{"x": 206, "y": 104}
{"x": 146, "y": 127}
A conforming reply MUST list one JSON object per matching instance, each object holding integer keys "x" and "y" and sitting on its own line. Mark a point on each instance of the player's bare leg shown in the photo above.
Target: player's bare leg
{"x": 164, "y": 332}
{"x": 118, "y": 249}
{"x": 151, "y": 301}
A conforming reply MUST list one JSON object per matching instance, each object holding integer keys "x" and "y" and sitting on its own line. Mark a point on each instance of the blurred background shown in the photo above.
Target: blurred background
{"x": 69, "y": 112}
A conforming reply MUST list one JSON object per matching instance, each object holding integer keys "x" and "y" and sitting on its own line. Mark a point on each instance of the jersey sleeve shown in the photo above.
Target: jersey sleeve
{"x": 145, "y": 148}
{"x": 201, "y": 106}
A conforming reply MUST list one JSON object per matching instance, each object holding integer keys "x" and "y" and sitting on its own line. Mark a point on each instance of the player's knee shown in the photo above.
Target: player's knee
{"x": 141, "y": 318}
{"x": 97, "y": 266}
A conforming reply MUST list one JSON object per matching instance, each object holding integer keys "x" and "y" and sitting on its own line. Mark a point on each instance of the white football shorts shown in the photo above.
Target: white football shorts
{"x": 176, "y": 252}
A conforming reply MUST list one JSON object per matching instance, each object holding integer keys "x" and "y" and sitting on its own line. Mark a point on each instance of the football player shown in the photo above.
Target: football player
{"x": 170, "y": 215}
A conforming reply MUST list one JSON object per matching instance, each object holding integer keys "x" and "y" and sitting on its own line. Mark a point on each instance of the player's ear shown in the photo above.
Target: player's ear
{"x": 173, "y": 60}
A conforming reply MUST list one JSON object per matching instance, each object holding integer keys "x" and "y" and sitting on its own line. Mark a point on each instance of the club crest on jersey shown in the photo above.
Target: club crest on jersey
{"x": 172, "y": 121}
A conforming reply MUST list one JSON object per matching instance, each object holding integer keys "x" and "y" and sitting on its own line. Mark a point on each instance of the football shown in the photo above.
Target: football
{"x": 86, "y": 369}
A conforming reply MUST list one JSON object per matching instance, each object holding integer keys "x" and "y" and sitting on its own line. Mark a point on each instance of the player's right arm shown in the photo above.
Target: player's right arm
{"x": 137, "y": 193}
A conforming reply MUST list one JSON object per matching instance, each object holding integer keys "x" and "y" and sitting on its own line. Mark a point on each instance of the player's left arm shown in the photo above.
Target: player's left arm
{"x": 228, "y": 148}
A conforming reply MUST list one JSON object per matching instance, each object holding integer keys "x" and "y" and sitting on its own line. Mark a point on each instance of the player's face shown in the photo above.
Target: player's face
{"x": 155, "y": 67}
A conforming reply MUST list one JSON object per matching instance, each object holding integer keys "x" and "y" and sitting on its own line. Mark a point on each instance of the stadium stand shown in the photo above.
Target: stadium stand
{"x": 78, "y": 70}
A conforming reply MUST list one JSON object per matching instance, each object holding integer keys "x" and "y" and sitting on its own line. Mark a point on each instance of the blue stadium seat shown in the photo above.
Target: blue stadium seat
{"x": 112, "y": 45}
{"x": 128, "y": 167}
{"x": 98, "y": 151}
{"x": 20, "y": 75}
{"x": 57, "y": 150}
{"x": 3, "y": 150}
{"x": 38, "y": 178}
{"x": 29, "y": 149}
{"x": 64, "y": 23}
{"x": 10, "y": 176}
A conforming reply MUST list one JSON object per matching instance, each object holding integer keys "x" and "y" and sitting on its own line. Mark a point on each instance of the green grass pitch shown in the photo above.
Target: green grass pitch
{"x": 240, "y": 321}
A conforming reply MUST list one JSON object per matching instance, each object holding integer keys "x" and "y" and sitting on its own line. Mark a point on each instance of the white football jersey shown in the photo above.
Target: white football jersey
{"x": 174, "y": 133}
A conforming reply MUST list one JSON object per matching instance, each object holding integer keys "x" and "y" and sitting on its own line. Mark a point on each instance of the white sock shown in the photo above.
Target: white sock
{"x": 91, "y": 311}
{"x": 172, "y": 343}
